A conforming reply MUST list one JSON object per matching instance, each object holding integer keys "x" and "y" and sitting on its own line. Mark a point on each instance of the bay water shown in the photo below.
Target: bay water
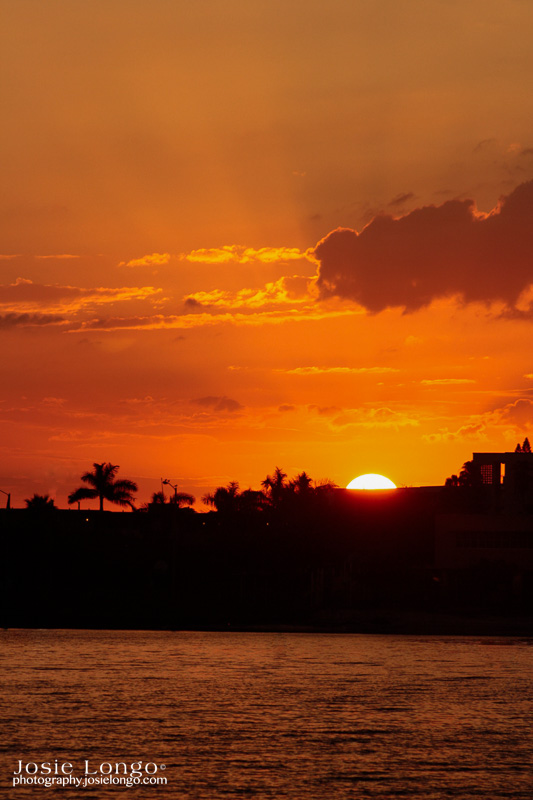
{"x": 294, "y": 716}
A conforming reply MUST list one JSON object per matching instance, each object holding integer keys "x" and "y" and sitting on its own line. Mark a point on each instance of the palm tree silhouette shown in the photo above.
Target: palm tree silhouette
{"x": 40, "y": 502}
{"x": 225, "y": 498}
{"x": 230, "y": 500}
{"x": 301, "y": 484}
{"x": 275, "y": 486}
{"x": 178, "y": 499}
{"x": 105, "y": 487}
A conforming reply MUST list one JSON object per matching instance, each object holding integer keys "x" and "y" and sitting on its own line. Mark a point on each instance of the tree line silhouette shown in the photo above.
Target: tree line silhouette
{"x": 293, "y": 552}
{"x": 277, "y": 492}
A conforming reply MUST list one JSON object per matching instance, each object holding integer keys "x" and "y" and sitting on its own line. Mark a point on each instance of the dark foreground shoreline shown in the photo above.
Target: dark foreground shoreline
{"x": 404, "y": 624}
{"x": 363, "y": 566}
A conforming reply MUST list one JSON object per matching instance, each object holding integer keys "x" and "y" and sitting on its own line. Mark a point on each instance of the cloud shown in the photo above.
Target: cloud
{"x": 325, "y": 411}
{"x": 483, "y": 144}
{"x": 286, "y": 407}
{"x": 432, "y": 252}
{"x": 338, "y": 370}
{"x": 246, "y": 255}
{"x": 382, "y": 417}
{"x": 472, "y": 430}
{"x": 287, "y": 290}
{"x": 25, "y": 296}
{"x": 217, "y": 403}
{"x": 446, "y": 381}
{"x": 511, "y": 420}
{"x": 11, "y": 320}
{"x": 171, "y": 321}
{"x": 518, "y": 414}
{"x": 153, "y": 260}
{"x": 9, "y": 257}
{"x": 400, "y": 199}
{"x": 53, "y": 402}
{"x": 59, "y": 256}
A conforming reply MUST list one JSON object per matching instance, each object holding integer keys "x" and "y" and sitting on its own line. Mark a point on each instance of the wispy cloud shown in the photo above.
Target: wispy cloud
{"x": 245, "y": 255}
{"x": 446, "y": 381}
{"x": 473, "y": 430}
{"x": 152, "y": 260}
{"x": 510, "y": 420}
{"x": 218, "y": 403}
{"x": 8, "y": 321}
{"x": 381, "y": 417}
{"x": 287, "y": 290}
{"x": 24, "y": 296}
{"x": 519, "y": 414}
{"x": 59, "y": 256}
{"x": 400, "y": 199}
{"x": 338, "y": 370}
{"x": 171, "y": 321}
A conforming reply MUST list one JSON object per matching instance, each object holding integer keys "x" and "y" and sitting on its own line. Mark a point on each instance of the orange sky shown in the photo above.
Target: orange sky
{"x": 250, "y": 233}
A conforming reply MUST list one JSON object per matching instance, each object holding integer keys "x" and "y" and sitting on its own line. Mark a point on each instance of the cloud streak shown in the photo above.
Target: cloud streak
{"x": 185, "y": 321}
{"x": 382, "y": 417}
{"x": 287, "y": 290}
{"x": 246, "y": 255}
{"x": 218, "y": 403}
{"x": 9, "y": 321}
{"x": 338, "y": 370}
{"x": 25, "y": 296}
{"x": 152, "y": 260}
{"x": 446, "y": 381}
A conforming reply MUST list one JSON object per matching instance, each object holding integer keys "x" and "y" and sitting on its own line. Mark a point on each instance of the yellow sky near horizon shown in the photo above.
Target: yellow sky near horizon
{"x": 168, "y": 171}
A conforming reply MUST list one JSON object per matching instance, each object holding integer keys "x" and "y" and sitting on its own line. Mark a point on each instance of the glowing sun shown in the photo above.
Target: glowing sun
{"x": 371, "y": 481}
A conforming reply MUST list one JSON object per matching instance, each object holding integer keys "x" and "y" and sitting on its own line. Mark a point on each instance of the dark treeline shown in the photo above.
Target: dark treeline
{"x": 294, "y": 554}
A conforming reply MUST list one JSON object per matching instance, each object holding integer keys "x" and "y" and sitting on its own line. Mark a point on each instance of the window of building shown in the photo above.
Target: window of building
{"x": 486, "y": 474}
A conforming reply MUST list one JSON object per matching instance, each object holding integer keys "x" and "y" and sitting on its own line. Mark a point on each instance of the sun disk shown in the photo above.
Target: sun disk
{"x": 371, "y": 481}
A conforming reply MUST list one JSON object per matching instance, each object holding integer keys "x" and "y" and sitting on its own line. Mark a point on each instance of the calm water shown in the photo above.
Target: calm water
{"x": 299, "y": 716}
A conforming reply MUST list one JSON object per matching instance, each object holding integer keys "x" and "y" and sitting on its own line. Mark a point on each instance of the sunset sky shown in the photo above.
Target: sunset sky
{"x": 237, "y": 234}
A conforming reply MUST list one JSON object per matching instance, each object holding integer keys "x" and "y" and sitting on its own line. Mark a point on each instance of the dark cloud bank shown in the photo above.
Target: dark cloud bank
{"x": 433, "y": 252}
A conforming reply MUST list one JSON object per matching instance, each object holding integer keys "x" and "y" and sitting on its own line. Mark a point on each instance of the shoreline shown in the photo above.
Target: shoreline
{"x": 379, "y": 625}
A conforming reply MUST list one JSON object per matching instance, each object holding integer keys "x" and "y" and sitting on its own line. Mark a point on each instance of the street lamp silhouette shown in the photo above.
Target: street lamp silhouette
{"x": 167, "y": 483}
{"x": 8, "y": 504}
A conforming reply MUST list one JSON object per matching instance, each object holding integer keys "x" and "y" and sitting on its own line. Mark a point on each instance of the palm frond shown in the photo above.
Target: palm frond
{"x": 82, "y": 494}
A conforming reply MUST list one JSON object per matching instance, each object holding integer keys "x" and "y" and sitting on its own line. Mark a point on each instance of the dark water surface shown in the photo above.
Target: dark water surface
{"x": 271, "y": 715}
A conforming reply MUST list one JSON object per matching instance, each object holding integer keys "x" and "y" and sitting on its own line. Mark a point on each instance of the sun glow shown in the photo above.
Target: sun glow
{"x": 371, "y": 481}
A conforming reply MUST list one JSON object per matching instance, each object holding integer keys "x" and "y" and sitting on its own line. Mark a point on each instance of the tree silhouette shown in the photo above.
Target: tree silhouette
{"x": 104, "y": 486}
{"x": 325, "y": 486}
{"x": 275, "y": 486}
{"x": 469, "y": 476}
{"x": 40, "y": 502}
{"x": 278, "y": 492}
{"x": 224, "y": 498}
{"x": 301, "y": 484}
{"x": 158, "y": 498}
{"x": 453, "y": 480}
{"x": 180, "y": 499}
{"x": 251, "y": 500}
